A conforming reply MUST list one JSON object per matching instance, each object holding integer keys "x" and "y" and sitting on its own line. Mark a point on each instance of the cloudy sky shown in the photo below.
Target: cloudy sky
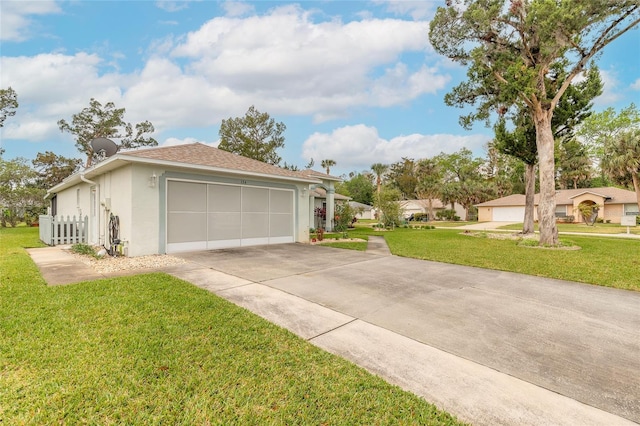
{"x": 354, "y": 81}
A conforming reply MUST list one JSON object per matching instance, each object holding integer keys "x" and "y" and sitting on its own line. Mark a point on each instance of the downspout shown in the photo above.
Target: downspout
{"x": 97, "y": 203}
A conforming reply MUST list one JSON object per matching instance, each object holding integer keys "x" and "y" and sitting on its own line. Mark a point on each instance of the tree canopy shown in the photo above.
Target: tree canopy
{"x": 511, "y": 48}
{"x": 20, "y": 198}
{"x": 52, "y": 168}
{"x": 621, "y": 159}
{"x": 8, "y": 104}
{"x": 256, "y": 135}
{"x": 106, "y": 121}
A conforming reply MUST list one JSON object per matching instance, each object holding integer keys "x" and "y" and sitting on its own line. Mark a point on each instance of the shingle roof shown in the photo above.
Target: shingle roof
{"x": 318, "y": 175}
{"x": 322, "y": 193}
{"x": 566, "y": 196}
{"x": 204, "y": 155}
{"x": 414, "y": 204}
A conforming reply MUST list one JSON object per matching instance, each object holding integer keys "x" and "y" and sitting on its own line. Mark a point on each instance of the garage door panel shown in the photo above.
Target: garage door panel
{"x": 187, "y": 196}
{"x": 224, "y": 198}
{"x": 224, "y": 226}
{"x": 255, "y": 200}
{"x": 186, "y": 227}
{"x": 281, "y": 225}
{"x": 281, "y": 202}
{"x": 255, "y": 225}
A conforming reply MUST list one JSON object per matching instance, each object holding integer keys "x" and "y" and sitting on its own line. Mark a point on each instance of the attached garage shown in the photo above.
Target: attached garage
{"x": 191, "y": 197}
{"x": 204, "y": 216}
{"x": 508, "y": 214}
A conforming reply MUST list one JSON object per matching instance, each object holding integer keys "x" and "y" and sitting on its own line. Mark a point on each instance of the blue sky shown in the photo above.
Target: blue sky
{"x": 354, "y": 81}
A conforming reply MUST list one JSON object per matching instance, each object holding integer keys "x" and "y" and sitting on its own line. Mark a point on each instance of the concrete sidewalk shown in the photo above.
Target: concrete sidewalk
{"x": 363, "y": 308}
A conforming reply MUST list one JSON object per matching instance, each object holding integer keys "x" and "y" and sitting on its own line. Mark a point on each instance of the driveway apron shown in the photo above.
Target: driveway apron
{"x": 579, "y": 341}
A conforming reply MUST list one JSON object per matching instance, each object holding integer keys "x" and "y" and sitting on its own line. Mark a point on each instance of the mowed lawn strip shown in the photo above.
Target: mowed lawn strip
{"x": 611, "y": 262}
{"x": 598, "y": 228}
{"x": 152, "y": 349}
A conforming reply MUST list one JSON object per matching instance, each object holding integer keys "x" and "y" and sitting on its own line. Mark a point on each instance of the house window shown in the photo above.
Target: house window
{"x": 561, "y": 211}
{"x": 631, "y": 210}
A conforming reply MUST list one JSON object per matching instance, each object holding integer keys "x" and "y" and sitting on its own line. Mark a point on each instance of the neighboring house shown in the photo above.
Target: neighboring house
{"x": 190, "y": 197}
{"x": 365, "y": 211}
{"x": 612, "y": 203}
{"x": 411, "y": 207}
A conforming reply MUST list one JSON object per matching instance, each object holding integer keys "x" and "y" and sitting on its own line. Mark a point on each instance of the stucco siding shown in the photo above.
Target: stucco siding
{"x": 68, "y": 204}
{"x": 485, "y": 214}
{"x": 145, "y": 210}
{"x": 613, "y": 212}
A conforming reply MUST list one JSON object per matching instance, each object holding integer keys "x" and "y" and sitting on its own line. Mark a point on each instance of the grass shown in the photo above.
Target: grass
{"x": 611, "y": 262}
{"x": 152, "y": 349}
{"x": 350, "y": 245}
{"x": 598, "y": 228}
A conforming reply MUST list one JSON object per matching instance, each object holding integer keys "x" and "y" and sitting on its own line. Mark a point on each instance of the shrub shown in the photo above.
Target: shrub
{"x": 84, "y": 249}
{"x": 344, "y": 216}
{"x": 448, "y": 214}
{"x": 421, "y": 217}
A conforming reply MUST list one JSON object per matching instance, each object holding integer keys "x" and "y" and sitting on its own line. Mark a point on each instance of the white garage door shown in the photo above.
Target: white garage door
{"x": 508, "y": 214}
{"x": 204, "y": 216}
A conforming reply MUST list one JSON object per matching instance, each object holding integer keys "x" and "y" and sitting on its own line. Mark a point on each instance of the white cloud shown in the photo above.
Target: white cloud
{"x": 610, "y": 94}
{"x": 54, "y": 86}
{"x": 173, "y": 6}
{"x": 357, "y": 147}
{"x": 16, "y": 22}
{"x": 322, "y": 69}
{"x": 635, "y": 85}
{"x": 328, "y": 66}
{"x": 237, "y": 8}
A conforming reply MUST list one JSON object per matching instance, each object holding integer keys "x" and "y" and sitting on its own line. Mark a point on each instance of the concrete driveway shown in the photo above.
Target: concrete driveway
{"x": 491, "y": 347}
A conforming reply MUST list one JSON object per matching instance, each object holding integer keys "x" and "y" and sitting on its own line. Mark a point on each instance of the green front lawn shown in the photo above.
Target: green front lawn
{"x": 598, "y": 228}
{"x": 612, "y": 262}
{"x": 152, "y": 349}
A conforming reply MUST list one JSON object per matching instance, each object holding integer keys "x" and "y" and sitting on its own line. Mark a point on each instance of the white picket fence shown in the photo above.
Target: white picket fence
{"x": 60, "y": 231}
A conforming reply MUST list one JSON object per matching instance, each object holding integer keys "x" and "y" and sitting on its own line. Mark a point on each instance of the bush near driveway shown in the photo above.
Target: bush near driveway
{"x": 152, "y": 349}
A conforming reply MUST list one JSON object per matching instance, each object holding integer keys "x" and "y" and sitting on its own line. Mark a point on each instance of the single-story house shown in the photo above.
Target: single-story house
{"x": 612, "y": 203}
{"x": 411, "y": 207}
{"x": 364, "y": 211}
{"x": 190, "y": 197}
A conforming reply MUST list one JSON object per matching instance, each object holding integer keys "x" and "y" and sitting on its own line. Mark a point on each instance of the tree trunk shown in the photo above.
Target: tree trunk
{"x": 546, "y": 164}
{"x": 636, "y": 186}
{"x": 430, "y": 209}
{"x": 529, "y": 196}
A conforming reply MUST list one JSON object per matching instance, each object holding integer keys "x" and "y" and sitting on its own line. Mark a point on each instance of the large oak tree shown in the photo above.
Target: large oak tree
{"x": 106, "y": 121}
{"x": 520, "y": 142}
{"x": 510, "y": 47}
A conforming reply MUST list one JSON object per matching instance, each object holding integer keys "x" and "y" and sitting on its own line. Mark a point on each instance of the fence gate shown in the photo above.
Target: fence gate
{"x": 58, "y": 230}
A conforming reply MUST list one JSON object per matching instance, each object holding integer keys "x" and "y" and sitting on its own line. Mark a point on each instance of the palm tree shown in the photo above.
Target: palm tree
{"x": 327, "y": 164}
{"x": 622, "y": 159}
{"x": 430, "y": 178}
{"x": 379, "y": 169}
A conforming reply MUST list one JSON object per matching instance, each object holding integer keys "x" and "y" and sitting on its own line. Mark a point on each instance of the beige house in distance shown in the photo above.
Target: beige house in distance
{"x": 410, "y": 207}
{"x": 612, "y": 203}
